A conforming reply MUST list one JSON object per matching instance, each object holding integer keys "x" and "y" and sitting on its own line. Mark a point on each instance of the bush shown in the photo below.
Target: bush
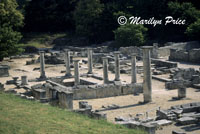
{"x": 10, "y": 22}
{"x": 193, "y": 30}
{"x": 130, "y": 35}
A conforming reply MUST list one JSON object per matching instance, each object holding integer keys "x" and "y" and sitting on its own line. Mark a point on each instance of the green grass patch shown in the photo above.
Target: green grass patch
{"x": 20, "y": 116}
{"x": 40, "y": 40}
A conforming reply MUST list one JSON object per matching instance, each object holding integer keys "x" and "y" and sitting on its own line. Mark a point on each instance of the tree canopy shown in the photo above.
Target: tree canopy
{"x": 11, "y": 20}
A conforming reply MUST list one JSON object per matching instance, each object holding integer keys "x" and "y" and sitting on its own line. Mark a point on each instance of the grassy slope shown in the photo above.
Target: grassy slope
{"x": 19, "y": 116}
{"x": 40, "y": 40}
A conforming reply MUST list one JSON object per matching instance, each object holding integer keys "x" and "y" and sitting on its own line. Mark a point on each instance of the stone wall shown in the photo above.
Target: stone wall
{"x": 182, "y": 55}
{"x": 99, "y": 91}
{"x": 160, "y": 63}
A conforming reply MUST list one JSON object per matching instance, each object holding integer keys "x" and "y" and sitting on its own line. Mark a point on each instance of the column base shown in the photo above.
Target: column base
{"x": 89, "y": 72}
{"x": 117, "y": 80}
{"x": 42, "y": 78}
{"x": 68, "y": 75}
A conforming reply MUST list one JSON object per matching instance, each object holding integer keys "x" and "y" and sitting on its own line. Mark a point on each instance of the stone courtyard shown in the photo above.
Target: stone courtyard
{"x": 131, "y": 86}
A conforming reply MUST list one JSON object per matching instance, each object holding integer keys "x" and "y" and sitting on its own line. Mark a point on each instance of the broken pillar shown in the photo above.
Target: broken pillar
{"x": 76, "y": 73}
{"x": 181, "y": 92}
{"x": 105, "y": 70}
{"x": 147, "y": 84}
{"x": 117, "y": 66}
{"x": 24, "y": 80}
{"x": 133, "y": 69}
{"x": 90, "y": 64}
{"x": 67, "y": 62}
{"x": 42, "y": 65}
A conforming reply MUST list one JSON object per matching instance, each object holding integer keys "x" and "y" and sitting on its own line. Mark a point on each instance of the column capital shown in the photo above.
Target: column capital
{"x": 105, "y": 57}
{"x": 41, "y": 52}
{"x": 117, "y": 52}
{"x": 89, "y": 48}
{"x": 147, "y": 47}
{"x": 76, "y": 60}
{"x": 133, "y": 55}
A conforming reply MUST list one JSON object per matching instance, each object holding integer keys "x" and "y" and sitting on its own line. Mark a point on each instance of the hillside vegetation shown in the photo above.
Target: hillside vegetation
{"x": 19, "y": 116}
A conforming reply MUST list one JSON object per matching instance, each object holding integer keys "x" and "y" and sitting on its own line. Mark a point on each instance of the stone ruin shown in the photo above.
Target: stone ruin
{"x": 57, "y": 91}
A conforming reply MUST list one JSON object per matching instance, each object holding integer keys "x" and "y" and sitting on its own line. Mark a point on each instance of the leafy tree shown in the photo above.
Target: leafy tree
{"x": 49, "y": 15}
{"x": 193, "y": 30}
{"x": 87, "y": 17}
{"x": 185, "y": 11}
{"x": 10, "y": 22}
{"x": 130, "y": 35}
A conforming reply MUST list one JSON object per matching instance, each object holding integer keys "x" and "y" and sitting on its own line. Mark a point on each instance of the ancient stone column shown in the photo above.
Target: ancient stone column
{"x": 42, "y": 65}
{"x": 90, "y": 60}
{"x": 105, "y": 70}
{"x": 24, "y": 80}
{"x": 76, "y": 73}
{"x": 133, "y": 69}
{"x": 117, "y": 66}
{"x": 181, "y": 92}
{"x": 147, "y": 84}
{"x": 67, "y": 62}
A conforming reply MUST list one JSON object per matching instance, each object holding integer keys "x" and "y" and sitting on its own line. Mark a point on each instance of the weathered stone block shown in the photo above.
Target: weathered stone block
{"x": 39, "y": 93}
{"x": 186, "y": 120}
{"x": 4, "y": 71}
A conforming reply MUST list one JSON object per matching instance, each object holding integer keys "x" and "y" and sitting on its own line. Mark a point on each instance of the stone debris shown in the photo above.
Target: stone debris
{"x": 56, "y": 91}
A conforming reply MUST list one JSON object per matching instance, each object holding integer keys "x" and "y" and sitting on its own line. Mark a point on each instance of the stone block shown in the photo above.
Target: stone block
{"x": 37, "y": 86}
{"x": 186, "y": 120}
{"x": 1, "y": 86}
{"x": 39, "y": 93}
{"x": 177, "y": 132}
{"x": 4, "y": 71}
{"x": 163, "y": 122}
{"x": 83, "y": 111}
{"x": 98, "y": 115}
{"x": 65, "y": 99}
{"x": 84, "y": 105}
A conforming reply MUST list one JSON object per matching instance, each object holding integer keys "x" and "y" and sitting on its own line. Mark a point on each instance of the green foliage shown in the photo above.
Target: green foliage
{"x": 87, "y": 17}
{"x": 20, "y": 116}
{"x": 49, "y": 15}
{"x": 130, "y": 35}
{"x": 184, "y": 11}
{"x": 193, "y": 30}
{"x": 10, "y": 22}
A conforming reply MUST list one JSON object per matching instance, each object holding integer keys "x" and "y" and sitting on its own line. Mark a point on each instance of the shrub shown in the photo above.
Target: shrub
{"x": 130, "y": 35}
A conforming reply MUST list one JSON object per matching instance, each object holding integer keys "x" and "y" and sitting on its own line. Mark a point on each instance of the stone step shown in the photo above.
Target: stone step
{"x": 160, "y": 78}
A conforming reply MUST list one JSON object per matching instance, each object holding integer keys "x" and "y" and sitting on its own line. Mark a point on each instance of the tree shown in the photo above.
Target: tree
{"x": 130, "y": 35}
{"x": 49, "y": 15}
{"x": 87, "y": 17}
{"x": 193, "y": 30}
{"x": 10, "y": 22}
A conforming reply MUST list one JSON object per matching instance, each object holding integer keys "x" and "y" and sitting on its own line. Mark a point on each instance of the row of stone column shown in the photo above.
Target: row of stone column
{"x": 67, "y": 63}
{"x": 117, "y": 68}
{"x": 147, "y": 85}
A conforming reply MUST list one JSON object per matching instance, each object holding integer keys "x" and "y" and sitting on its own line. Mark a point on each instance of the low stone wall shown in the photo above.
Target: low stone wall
{"x": 161, "y": 63}
{"x": 102, "y": 91}
{"x": 98, "y": 91}
{"x": 182, "y": 55}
